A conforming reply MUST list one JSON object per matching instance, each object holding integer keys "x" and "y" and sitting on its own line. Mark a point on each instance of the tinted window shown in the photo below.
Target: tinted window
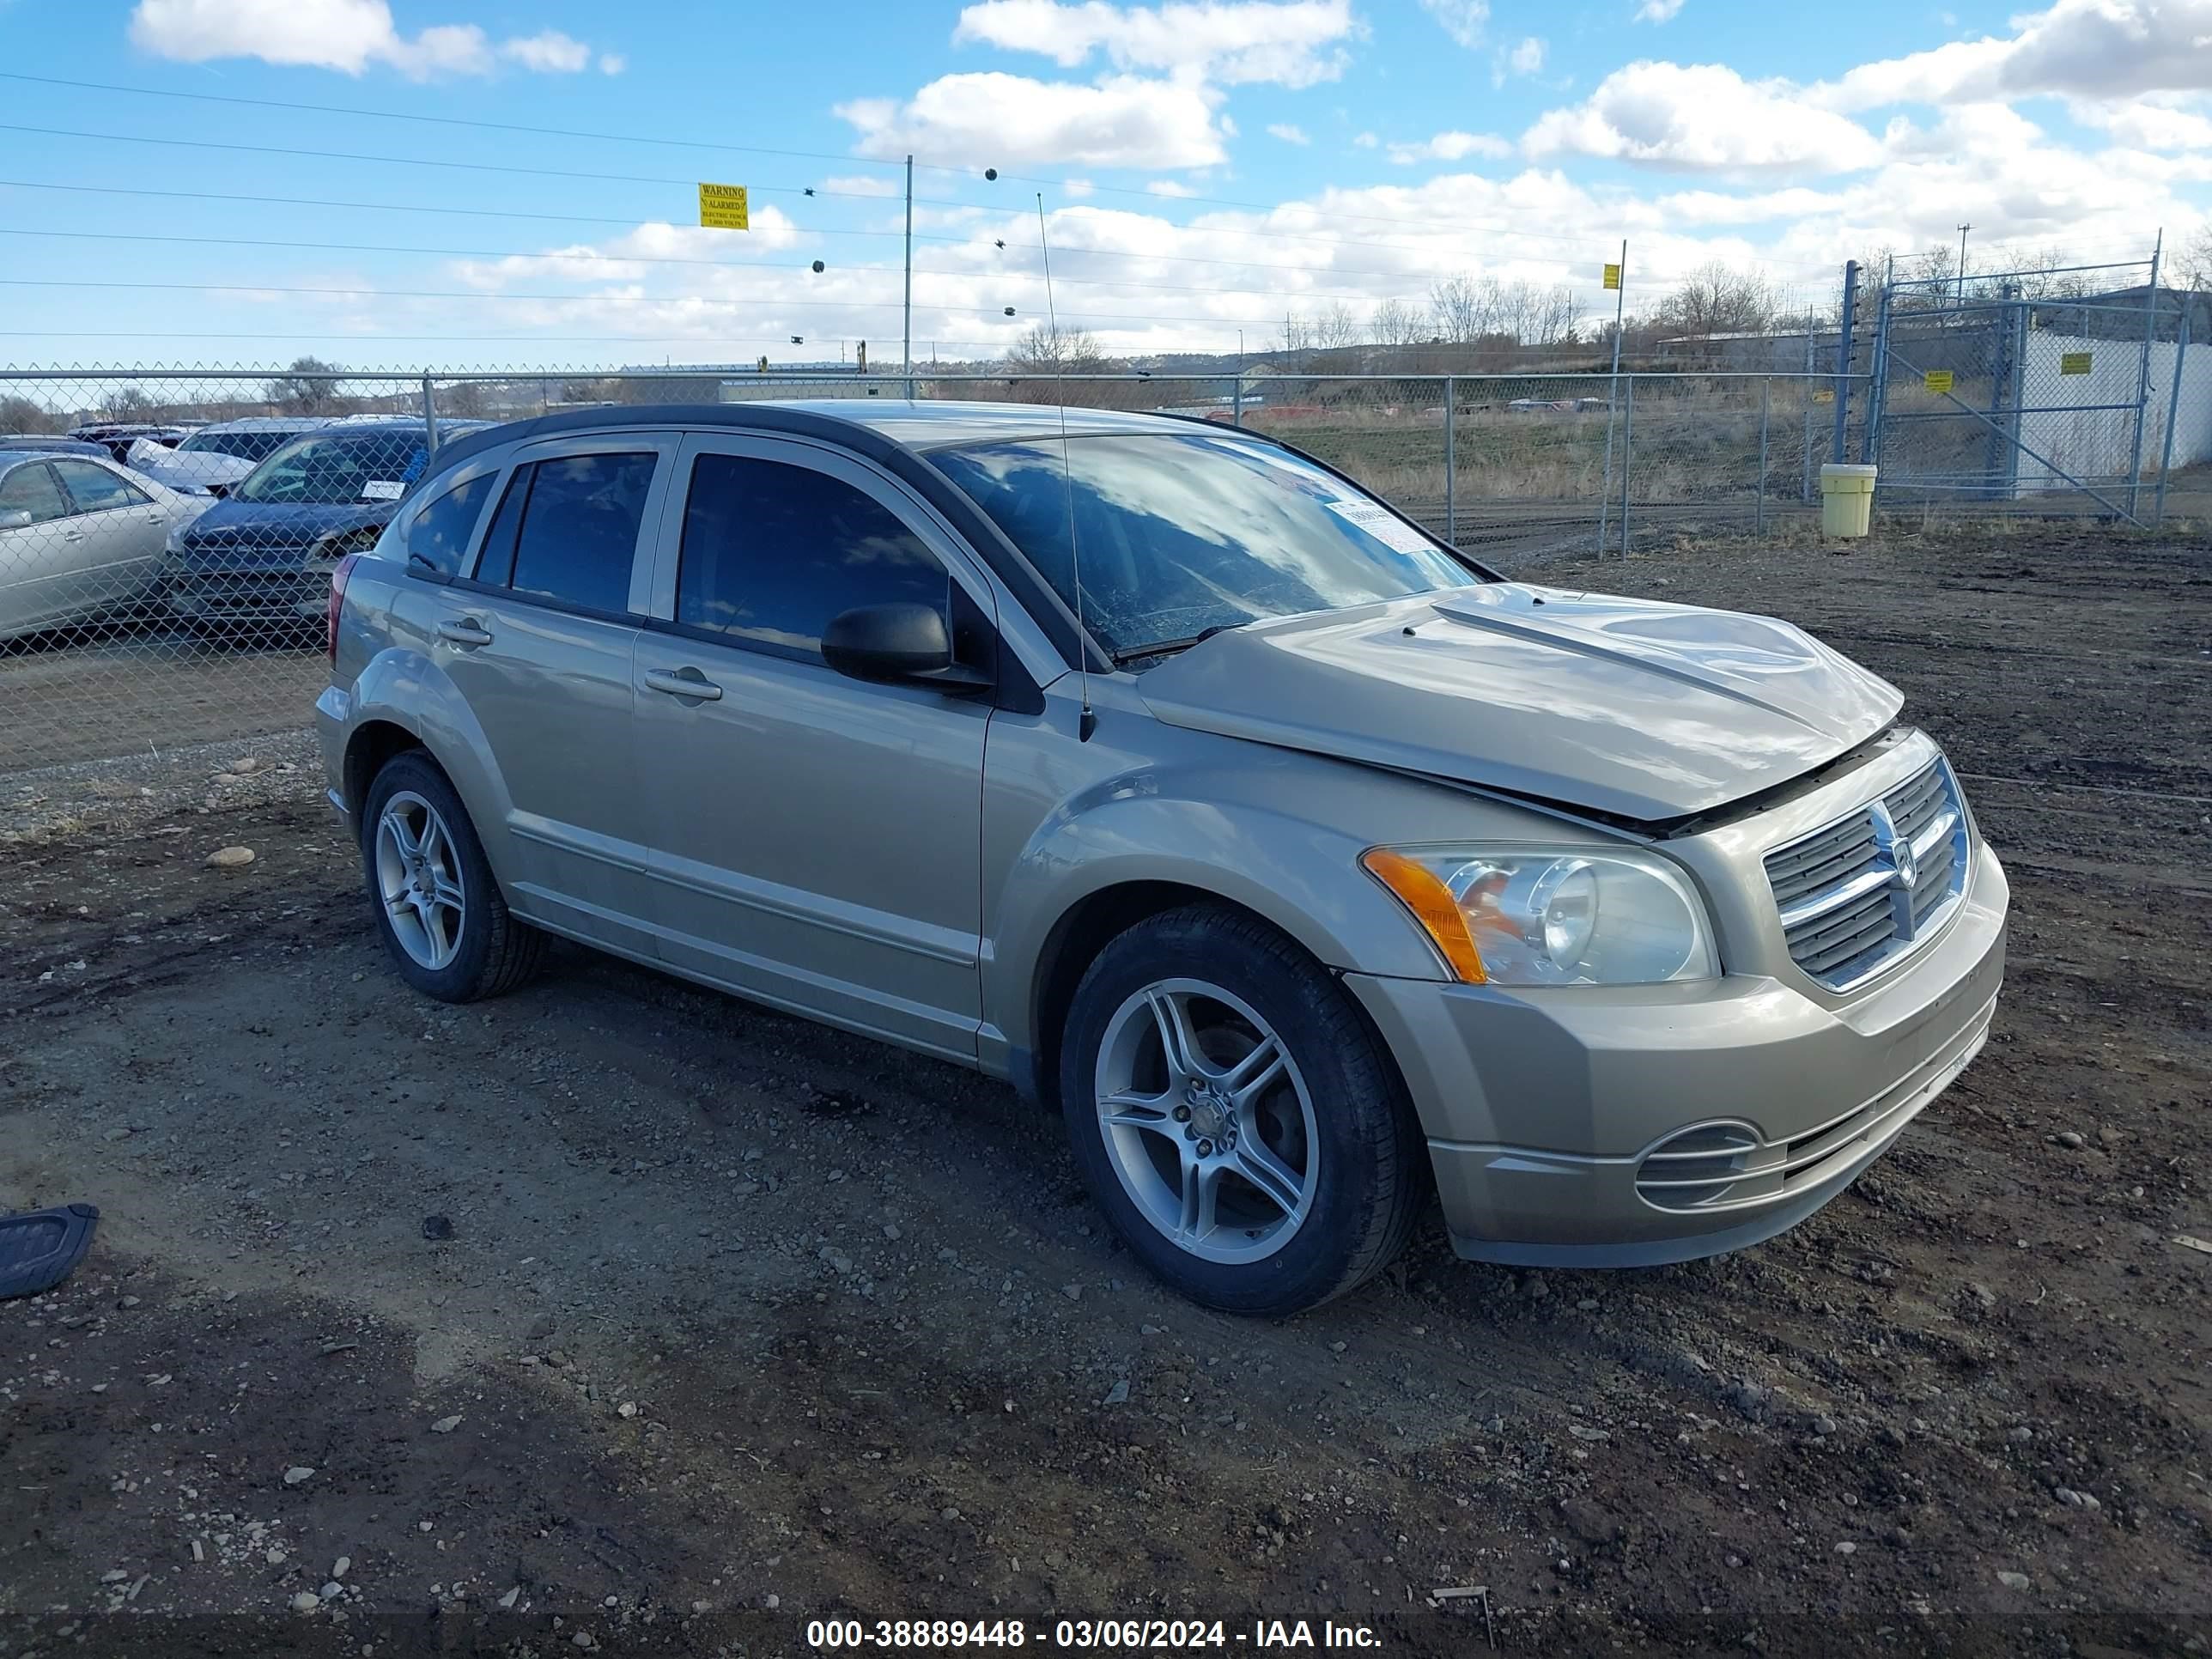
{"x": 772, "y": 552}
{"x": 95, "y": 489}
{"x": 31, "y": 490}
{"x": 579, "y": 529}
{"x": 440, "y": 534}
{"x": 1181, "y": 533}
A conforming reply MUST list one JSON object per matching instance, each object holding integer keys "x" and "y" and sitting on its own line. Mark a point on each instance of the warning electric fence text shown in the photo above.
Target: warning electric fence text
{"x": 1089, "y": 1635}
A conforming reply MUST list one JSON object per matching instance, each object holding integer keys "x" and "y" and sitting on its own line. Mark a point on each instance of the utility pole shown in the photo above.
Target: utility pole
{"x": 1963, "y": 229}
{"x": 1613, "y": 398}
{"x": 907, "y": 354}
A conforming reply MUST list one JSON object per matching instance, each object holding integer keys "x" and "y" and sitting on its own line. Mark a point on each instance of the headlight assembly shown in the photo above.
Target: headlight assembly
{"x": 1552, "y": 915}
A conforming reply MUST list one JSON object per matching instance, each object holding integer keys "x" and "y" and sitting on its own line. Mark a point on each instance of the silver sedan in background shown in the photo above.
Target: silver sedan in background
{"x": 80, "y": 537}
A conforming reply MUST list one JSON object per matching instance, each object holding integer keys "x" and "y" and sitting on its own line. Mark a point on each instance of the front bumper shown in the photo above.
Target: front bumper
{"x": 223, "y": 597}
{"x": 1544, "y": 1108}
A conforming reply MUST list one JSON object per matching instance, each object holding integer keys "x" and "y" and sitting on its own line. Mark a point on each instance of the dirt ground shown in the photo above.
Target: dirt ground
{"x": 617, "y": 1317}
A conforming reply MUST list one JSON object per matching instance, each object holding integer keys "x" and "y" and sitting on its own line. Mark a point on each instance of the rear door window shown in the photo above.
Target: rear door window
{"x": 441, "y": 534}
{"x": 578, "y": 522}
{"x": 772, "y": 552}
{"x": 95, "y": 489}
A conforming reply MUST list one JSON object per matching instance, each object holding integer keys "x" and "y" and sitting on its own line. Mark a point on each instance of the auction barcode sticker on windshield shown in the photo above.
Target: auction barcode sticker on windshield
{"x": 1385, "y": 526}
{"x": 382, "y": 489}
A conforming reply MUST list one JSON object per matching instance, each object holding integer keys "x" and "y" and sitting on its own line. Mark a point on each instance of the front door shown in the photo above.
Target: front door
{"x": 816, "y": 838}
{"x": 537, "y": 636}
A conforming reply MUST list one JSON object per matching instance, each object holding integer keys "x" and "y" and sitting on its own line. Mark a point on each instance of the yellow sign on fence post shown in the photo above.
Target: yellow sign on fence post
{"x": 1936, "y": 379}
{"x": 722, "y": 207}
{"x": 1613, "y": 276}
{"x": 2073, "y": 362}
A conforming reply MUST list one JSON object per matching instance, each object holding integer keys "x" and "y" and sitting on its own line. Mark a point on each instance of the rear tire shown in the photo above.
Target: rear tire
{"x": 1235, "y": 1115}
{"x": 438, "y": 906}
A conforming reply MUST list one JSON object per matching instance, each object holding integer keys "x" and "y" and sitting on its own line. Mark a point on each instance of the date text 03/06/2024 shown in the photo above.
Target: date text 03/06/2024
{"x": 1105, "y": 1634}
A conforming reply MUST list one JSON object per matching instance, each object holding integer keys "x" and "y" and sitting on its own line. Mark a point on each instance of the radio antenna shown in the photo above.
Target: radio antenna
{"x": 1087, "y": 722}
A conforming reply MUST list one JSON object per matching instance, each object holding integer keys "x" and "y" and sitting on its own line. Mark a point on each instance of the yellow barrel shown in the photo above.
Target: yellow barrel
{"x": 1846, "y": 500}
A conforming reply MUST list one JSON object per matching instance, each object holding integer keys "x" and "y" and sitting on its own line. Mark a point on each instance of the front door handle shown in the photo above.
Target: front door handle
{"x": 686, "y": 682}
{"x": 467, "y": 631}
{"x": 72, "y": 535}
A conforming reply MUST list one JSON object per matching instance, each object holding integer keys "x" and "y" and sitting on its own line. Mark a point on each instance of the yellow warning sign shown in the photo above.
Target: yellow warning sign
{"x": 722, "y": 207}
{"x": 2074, "y": 362}
{"x": 1824, "y": 396}
{"x": 1613, "y": 276}
{"x": 1936, "y": 379}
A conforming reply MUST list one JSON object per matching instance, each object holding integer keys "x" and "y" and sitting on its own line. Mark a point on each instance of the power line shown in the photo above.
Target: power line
{"x": 1276, "y": 293}
{"x": 442, "y": 120}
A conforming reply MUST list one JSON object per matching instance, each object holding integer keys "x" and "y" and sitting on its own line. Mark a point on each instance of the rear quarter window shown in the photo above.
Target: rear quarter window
{"x": 438, "y": 540}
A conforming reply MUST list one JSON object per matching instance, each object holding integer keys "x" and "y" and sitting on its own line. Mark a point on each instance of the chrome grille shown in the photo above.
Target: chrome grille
{"x": 1856, "y": 895}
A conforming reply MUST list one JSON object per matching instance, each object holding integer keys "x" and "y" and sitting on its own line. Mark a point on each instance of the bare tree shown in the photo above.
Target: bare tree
{"x": 1397, "y": 323}
{"x": 1046, "y": 349}
{"x": 308, "y": 387}
{"x": 1464, "y": 308}
{"x": 2192, "y": 261}
{"x": 21, "y": 414}
{"x": 1335, "y": 328}
{"x": 1717, "y": 299}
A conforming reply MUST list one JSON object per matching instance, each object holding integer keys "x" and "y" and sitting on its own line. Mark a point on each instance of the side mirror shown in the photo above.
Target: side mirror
{"x": 896, "y": 644}
{"x": 14, "y": 517}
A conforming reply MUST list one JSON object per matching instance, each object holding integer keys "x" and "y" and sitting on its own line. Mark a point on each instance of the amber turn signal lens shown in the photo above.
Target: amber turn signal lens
{"x": 1420, "y": 892}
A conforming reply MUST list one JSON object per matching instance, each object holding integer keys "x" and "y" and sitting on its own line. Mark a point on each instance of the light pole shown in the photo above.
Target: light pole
{"x": 1963, "y": 229}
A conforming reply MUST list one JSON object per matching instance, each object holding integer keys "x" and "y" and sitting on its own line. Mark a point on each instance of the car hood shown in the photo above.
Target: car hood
{"x": 1629, "y": 707}
{"x": 233, "y": 525}
{"x": 188, "y": 470}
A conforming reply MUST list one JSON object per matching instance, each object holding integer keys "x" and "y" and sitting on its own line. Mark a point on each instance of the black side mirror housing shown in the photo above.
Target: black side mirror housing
{"x": 896, "y": 644}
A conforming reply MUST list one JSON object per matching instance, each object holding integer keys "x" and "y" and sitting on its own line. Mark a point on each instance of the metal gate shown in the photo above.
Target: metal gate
{"x": 2046, "y": 402}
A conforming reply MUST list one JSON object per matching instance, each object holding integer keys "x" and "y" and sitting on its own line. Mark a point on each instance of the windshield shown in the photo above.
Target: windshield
{"x": 361, "y": 466}
{"x": 245, "y": 446}
{"x": 1179, "y": 533}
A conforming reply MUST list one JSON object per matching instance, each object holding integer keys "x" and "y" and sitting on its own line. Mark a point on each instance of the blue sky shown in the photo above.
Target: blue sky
{"x": 1207, "y": 167}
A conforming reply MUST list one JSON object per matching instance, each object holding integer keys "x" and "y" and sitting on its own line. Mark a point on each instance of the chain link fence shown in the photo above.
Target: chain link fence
{"x": 167, "y": 537}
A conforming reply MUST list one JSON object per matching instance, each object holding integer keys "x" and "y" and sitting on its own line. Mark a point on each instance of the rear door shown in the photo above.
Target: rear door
{"x": 816, "y": 840}
{"x": 537, "y": 636}
{"x": 114, "y": 535}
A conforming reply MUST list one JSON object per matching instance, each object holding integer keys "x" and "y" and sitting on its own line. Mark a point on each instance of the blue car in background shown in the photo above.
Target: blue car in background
{"x": 262, "y": 557}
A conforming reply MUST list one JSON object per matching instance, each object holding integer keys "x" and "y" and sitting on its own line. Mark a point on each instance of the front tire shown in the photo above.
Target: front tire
{"x": 1236, "y": 1116}
{"x": 438, "y": 906}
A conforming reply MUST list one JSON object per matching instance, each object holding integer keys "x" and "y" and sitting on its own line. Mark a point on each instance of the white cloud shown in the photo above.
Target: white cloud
{"x": 1449, "y": 147}
{"x": 2078, "y": 48}
{"x": 1168, "y": 187}
{"x": 612, "y": 62}
{"x": 1288, "y": 133}
{"x": 2147, "y": 124}
{"x": 1703, "y": 116}
{"x": 1466, "y": 21}
{"x": 862, "y": 184}
{"x": 1658, "y": 11}
{"x": 1365, "y": 141}
{"x": 1009, "y": 120}
{"x": 550, "y": 53}
{"x": 1526, "y": 57}
{"x": 350, "y": 36}
{"x": 1075, "y": 189}
{"x": 1292, "y": 43}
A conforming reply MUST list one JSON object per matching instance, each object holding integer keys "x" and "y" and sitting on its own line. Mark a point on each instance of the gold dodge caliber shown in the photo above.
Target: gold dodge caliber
{"x": 1307, "y": 865}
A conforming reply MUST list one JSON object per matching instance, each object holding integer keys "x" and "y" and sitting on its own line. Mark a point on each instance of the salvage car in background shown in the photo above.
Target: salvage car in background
{"x": 212, "y": 460}
{"x": 81, "y": 538}
{"x": 262, "y": 557}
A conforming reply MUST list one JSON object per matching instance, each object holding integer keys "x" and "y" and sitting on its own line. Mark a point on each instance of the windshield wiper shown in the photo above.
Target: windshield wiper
{"x": 1169, "y": 647}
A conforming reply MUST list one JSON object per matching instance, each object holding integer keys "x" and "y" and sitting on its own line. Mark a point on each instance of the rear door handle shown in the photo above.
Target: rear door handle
{"x": 467, "y": 631}
{"x": 685, "y": 682}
